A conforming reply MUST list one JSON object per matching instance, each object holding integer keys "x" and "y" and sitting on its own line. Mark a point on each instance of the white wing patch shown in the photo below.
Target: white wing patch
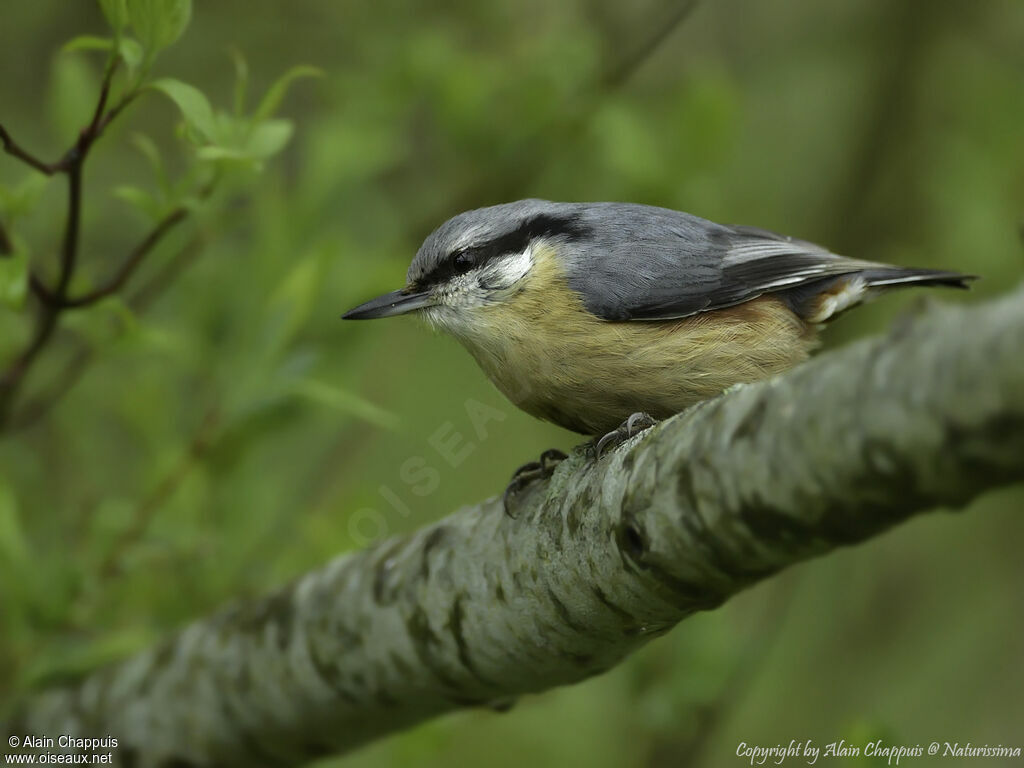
{"x": 845, "y": 295}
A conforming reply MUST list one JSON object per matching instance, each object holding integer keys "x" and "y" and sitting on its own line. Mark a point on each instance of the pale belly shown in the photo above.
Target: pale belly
{"x": 589, "y": 377}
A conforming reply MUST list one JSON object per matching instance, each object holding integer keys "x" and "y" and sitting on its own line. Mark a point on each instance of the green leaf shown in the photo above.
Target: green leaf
{"x": 14, "y": 548}
{"x": 140, "y": 199}
{"x": 116, "y": 13}
{"x": 14, "y": 275}
{"x": 345, "y": 402}
{"x": 294, "y": 297}
{"x": 109, "y": 320}
{"x": 276, "y": 93}
{"x": 88, "y": 43}
{"x": 158, "y": 23}
{"x": 268, "y": 138}
{"x": 241, "y": 79}
{"x": 148, "y": 148}
{"x": 193, "y": 105}
{"x": 117, "y": 308}
{"x": 66, "y": 663}
{"x": 214, "y": 152}
{"x": 17, "y": 201}
{"x": 127, "y": 48}
{"x": 72, "y": 97}
{"x": 130, "y": 51}
{"x": 263, "y": 140}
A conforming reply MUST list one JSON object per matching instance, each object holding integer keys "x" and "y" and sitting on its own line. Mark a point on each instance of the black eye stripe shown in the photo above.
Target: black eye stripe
{"x": 465, "y": 259}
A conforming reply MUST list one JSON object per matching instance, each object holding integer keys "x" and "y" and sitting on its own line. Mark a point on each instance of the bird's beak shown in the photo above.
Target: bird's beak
{"x": 394, "y": 303}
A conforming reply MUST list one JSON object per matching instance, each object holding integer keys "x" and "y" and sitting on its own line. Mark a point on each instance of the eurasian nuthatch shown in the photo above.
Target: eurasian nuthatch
{"x": 585, "y": 313}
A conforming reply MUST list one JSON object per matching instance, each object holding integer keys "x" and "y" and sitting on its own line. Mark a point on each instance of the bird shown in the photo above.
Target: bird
{"x": 585, "y": 314}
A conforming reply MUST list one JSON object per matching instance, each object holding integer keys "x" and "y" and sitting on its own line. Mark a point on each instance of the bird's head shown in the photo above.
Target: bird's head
{"x": 478, "y": 259}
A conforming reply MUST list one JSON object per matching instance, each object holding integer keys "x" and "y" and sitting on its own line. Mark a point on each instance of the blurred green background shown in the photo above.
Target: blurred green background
{"x": 235, "y": 433}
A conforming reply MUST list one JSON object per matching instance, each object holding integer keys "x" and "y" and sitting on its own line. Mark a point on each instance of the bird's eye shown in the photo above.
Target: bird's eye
{"x": 462, "y": 262}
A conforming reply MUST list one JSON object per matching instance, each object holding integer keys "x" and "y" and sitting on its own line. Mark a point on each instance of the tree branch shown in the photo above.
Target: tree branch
{"x": 142, "y": 516}
{"x": 54, "y": 301}
{"x": 6, "y": 246}
{"x": 127, "y": 269}
{"x": 14, "y": 149}
{"x": 76, "y": 365}
{"x": 69, "y": 250}
{"x": 605, "y": 556}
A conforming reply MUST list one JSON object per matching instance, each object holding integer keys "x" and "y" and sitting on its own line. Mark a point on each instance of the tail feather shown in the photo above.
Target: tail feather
{"x": 896, "y": 276}
{"x": 824, "y": 300}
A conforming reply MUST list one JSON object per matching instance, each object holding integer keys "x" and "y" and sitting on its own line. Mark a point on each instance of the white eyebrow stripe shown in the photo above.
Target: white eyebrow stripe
{"x": 513, "y": 267}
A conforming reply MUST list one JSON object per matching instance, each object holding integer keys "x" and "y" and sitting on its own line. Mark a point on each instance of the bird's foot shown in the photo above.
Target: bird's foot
{"x": 632, "y": 426}
{"x": 528, "y": 473}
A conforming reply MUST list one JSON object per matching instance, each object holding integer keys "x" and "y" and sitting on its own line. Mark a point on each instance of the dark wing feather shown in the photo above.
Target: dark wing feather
{"x": 646, "y": 263}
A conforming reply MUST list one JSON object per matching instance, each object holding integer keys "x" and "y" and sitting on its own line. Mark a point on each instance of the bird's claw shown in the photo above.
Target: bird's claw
{"x": 632, "y": 426}
{"x": 528, "y": 473}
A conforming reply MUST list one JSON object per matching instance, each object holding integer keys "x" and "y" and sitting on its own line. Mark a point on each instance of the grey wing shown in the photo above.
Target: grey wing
{"x": 655, "y": 264}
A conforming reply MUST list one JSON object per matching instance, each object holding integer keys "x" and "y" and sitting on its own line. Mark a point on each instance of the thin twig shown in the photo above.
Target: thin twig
{"x": 64, "y": 382}
{"x": 620, "y": 71}
{"x": 15, "y": 150}
{"x": 69, "y": 250}
{"x": 108, "y": 77}
{"x": 854, "y": 220}
{"x": 161, "y": 493}
{"x": 6, "y": 246}
{"x": 157, "y": 285}
{"x": 76, "y": 366}
{"x": 130, "y": 264}
{"x": 13, "y": 376}
{"x": 114, "y": 112}
{"x": 54, "y": 301}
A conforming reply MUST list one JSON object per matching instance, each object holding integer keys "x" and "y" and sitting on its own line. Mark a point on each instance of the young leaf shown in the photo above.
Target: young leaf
{"x": 107, "y": 321}
{"x": 63, "y": 664}
{"x": 293, "y": 298}
{"x": 116, "y": 14}
{"x": 147, "y": 147}
{"x": 13, "y": 545}
{"x": 345, "y": 402}
{"x": 241, "y": 79}
{"x": 216, "y": 152}
{"x": 268, "y": 138}
{"x": 140, "y": 199}
{"x": 17, "y": 201}
{"x": 117, "y": 308}
{"x": 158, "y": 23}
{"x": 19, "y": 567}
{"x": 193, "y": 105}
{"x": 88, "y": 43}
{"x": 73, "y": 94}
{"x": 130, "y": 51}
{"x": 14, "y": 275}
{"x": 260, "y": 142}
{"x": 127, "y": 48}
{"x": 276, "y": 92}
